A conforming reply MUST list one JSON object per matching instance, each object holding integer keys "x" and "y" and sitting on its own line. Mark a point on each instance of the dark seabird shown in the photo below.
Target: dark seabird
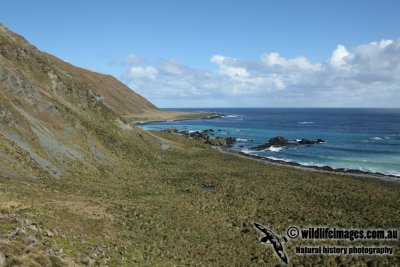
{"x": 274, "y": 240}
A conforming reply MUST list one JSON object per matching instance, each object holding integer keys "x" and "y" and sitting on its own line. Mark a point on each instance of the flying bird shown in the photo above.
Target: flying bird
{"x": 274, "y": 240}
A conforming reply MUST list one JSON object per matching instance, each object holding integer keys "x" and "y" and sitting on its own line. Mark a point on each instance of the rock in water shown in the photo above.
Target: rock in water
{"x": 275, "y": 141}
{"x": 280, "y": 141}
{"x": 305, "y": 142}
{"x": 310, "y": 142}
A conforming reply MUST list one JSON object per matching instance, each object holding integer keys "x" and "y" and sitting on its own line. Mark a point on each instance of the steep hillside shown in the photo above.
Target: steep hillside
{"x": 53, "y": 113}
{"x": 121, "y": 98}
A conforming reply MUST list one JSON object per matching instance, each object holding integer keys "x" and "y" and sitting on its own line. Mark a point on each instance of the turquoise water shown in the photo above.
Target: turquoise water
{"x": 359, "y": 139}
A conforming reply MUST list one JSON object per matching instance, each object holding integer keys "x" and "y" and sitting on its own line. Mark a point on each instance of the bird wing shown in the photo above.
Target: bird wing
{"x": 279, "y": 250}
{"x": 263, "y": 229}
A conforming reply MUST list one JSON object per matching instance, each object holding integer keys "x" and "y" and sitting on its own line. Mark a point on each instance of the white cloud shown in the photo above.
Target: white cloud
{"x": 340, "y": 56}
{"x": 274, "y": 60}
{"x": 230, "y": 67}
{"x": 366, "y": 75}
{"x": 148, "y": 72}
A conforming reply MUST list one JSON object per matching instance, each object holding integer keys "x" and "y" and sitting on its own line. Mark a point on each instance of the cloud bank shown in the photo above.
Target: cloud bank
{"x": 364, "y": 76}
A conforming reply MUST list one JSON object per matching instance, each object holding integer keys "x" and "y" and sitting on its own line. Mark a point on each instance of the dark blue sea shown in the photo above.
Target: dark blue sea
{"x": 356, "y": 139}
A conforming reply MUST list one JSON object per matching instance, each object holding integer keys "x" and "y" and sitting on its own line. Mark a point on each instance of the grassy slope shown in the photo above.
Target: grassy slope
{"x": 154, "y": 212}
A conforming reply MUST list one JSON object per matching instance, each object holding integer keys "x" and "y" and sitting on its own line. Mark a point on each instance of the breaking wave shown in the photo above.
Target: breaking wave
{"x": 275, "y": 148}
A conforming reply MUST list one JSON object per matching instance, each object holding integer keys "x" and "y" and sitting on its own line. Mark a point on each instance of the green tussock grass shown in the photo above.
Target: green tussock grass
{"x": 155, "y": 212}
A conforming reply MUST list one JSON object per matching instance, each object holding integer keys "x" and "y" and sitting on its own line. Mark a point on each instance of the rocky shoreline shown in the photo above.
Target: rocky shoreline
{"x": 205, "y": 136}
{"x": 225, "y": 145}
{"x": 325, "y": 168}
{"x": 280, "y": 141}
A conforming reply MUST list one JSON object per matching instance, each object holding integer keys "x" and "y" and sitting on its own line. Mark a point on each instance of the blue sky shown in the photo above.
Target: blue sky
{"x": 227, "y": 53}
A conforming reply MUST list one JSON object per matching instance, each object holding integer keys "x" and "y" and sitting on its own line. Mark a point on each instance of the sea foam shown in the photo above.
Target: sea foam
{"x": 275, "y": 148}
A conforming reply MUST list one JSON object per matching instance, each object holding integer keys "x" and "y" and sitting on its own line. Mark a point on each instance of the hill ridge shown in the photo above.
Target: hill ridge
{"x": 55, "y": 116}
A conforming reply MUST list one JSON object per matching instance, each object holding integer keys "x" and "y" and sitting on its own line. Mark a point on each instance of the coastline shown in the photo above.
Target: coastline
{"x": 321, "y": 169}
{"x": 265, "y": 160}
{"x": 181, "y": 117}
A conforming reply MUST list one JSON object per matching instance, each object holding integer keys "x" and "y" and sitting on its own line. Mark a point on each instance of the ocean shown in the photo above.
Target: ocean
{"x": 355, "y": 139}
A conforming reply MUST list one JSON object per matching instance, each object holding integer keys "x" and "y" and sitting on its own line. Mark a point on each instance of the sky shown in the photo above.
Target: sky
{"x": 222, "y": 53}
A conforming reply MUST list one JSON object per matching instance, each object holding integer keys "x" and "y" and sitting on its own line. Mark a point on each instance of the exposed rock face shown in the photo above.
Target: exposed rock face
{"x": 198, "y": 135}
{"x": 204, "y": 136}
{"x": 275, "y": 141}
{"x": 2, "y": 259}
{"x": 230, "y": 141}
{"x": 171, "y": 130}
{"x": 221, "y": 141}
{"x": 280, "y": 141}
{"x": 216, "y": 141}
{"x": 310, "y": 142}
